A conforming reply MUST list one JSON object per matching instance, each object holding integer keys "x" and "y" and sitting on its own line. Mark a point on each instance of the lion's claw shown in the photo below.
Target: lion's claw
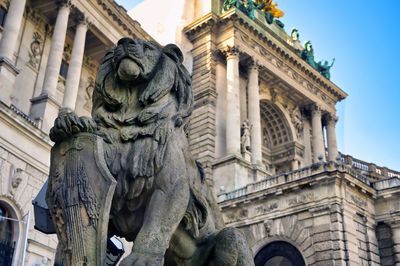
{"x": 70, "y": 124}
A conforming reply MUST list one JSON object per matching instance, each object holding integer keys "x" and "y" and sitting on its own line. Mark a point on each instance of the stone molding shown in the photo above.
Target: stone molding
{"x": 5, "y": 62}
{"x": 285, "y": 59}
{"x": 119, "y": 15}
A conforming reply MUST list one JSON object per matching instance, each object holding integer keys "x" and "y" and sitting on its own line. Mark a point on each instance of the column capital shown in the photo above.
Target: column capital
{"x": 64, "y": 3}
{"x": 316, "y": 109}
{"x": 231, "y": 51}
{"x": 218, "y": 56}
{"x": 82, "y": 19}
{"x": 253, "y": 65}
{"x": 329, "y": 118}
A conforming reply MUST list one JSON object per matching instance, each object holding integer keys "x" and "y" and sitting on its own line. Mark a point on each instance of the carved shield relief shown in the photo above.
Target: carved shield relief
{"x": 79, "y": 196}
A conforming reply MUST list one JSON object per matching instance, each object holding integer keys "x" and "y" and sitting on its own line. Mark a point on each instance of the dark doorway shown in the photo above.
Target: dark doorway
{"x": 279, "y": 253}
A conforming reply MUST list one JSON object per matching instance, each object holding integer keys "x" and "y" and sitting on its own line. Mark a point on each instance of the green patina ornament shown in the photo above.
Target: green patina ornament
{"x": 246, "y": 6}
{"x": 324, "y": 68}
{"x": 308, "y": 54}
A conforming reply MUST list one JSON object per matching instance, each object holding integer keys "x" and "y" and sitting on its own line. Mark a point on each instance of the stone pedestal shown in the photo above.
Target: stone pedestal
{"x": 44, "y": 110}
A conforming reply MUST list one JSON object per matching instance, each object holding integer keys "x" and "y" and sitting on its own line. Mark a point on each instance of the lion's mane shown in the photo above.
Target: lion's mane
{"x": 165, "y": 99}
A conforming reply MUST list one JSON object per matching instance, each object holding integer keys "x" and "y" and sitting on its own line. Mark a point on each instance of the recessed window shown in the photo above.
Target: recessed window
{"x": 6, "y": 237}
{"x": 64, "y": 69}
{"x": 3, "y": 14}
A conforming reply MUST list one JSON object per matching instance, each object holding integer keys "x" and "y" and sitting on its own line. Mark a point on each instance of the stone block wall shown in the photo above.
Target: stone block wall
{"x": 202, "y": 123}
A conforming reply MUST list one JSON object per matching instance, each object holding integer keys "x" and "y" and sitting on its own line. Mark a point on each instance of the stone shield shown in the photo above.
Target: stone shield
{"x": 79, "y": 197}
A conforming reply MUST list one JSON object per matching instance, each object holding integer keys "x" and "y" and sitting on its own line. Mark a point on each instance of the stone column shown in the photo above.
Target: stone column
{"x": 254, "y": 114}
{"x": 295, "y": 165}
{"x": 44, "y": 107}
{"x": 396, "y": 242}
{"x": 331, "y": 136}
{"x": 75, "y": 67}
{"x": 8, "y": 42}
{"x": 11, "y": 28}
{"x": 56, "y": 50}
{"x": 317, "y": 133}
{"x": 232, "y": 102}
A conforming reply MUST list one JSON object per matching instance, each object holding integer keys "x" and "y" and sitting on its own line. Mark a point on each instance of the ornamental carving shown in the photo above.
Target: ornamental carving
{"x": 88, "y": 94}
{"x": 297, "y": 121}
{"x": 35, "y": 50}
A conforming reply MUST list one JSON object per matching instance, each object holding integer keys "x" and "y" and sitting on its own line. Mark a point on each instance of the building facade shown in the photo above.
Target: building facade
{"x": 50, "y": 52}
{"x": 263, "y": 127}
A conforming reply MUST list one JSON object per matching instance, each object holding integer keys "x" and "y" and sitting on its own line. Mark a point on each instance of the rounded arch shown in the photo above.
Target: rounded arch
{"x": 18, "y": 228}
{"x": 275, "y": 127}
{"x": 279, "y": 253}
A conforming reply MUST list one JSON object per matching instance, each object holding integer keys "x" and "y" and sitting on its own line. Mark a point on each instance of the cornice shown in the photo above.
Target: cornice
{"x": 200, "y": 24}
{"x": 120, "y": 15}
{"x": 284, "y": 55}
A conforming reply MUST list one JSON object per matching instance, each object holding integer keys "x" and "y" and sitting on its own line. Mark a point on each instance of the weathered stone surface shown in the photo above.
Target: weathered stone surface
{"x": 141, "y": 107}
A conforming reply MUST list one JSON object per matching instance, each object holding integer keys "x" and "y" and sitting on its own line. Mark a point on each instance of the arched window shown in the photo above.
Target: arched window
{"x": 6, "y": 237}
{"x": 279, "y": 253}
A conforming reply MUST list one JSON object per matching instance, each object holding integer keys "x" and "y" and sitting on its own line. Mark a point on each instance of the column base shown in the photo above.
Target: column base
{"x": 8, "y": 73}
{"x": 45, "y": 110}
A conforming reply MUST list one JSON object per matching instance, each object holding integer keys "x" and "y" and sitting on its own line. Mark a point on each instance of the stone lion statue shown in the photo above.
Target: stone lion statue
{"x": 141, "y": 107}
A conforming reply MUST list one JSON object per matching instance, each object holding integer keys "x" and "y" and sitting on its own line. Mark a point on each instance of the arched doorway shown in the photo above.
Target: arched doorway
{"x": 7, "y": 243}
{"x": 279, "y": 253}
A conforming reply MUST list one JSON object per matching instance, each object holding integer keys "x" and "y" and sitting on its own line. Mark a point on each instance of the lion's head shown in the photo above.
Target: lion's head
{"x": 147, "y": 67}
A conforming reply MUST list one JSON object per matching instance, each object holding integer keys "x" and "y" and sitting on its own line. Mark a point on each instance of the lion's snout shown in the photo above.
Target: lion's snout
{"x": 128, "y": 70}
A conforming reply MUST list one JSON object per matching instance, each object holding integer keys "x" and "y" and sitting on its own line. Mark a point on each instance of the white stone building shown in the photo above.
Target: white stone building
{"x": 298, "y": 199}
{"x": 287, "y": 192}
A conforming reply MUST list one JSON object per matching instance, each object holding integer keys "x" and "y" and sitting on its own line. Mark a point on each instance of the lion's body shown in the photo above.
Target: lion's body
{"x": 141, "y": 105}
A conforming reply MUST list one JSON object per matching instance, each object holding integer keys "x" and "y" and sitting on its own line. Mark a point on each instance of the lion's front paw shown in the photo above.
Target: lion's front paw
{"x": 69, "y": 124}
{"x": 140, "y": 259}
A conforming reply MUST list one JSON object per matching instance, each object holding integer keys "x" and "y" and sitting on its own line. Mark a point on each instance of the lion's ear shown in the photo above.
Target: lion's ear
{"x": 173, "y": 51}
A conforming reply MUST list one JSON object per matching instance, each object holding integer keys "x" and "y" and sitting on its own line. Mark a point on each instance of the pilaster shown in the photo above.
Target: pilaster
{"x": 202, "y": 123}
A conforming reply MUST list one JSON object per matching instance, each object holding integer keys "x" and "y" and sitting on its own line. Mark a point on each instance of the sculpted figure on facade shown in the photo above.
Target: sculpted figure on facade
{"x": 245, "y": 136}
{"x": 142, "y": 102}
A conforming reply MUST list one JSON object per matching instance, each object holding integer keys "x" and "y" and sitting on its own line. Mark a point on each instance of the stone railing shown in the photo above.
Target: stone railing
{"x": 371, "y": 170}
{"x": 284, "y": 178}
{"x": 386, "y": 183}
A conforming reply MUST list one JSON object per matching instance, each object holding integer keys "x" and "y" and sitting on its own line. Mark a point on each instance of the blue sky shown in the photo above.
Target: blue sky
{"x": 364, "y": 37}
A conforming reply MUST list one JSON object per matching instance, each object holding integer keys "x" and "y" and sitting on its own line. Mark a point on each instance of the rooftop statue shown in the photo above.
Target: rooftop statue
{"x": 307, "y": 54}
{"x": 129, "y": 171}
{"x": 324, "y": 68}
{"x": 295, "y": 35}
